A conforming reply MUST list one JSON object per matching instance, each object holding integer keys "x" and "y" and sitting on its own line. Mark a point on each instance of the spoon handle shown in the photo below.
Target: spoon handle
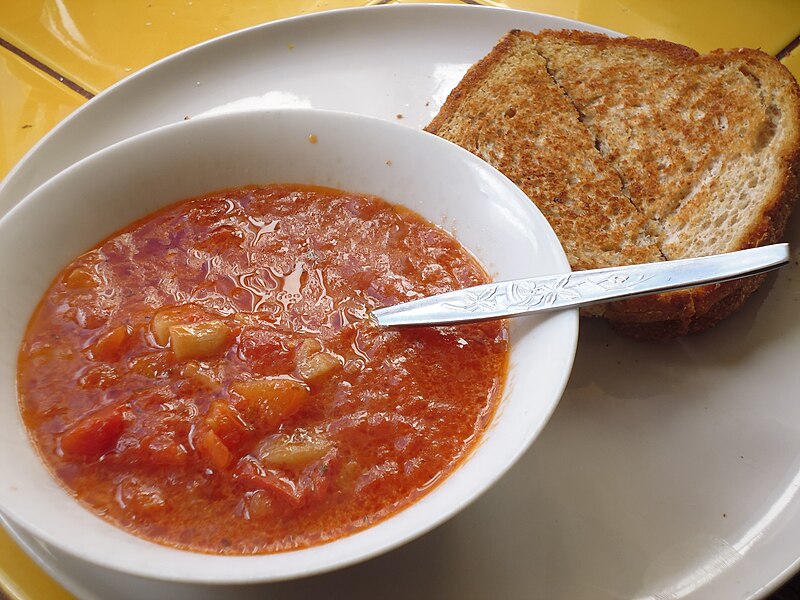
{"x": 571, "y": 290}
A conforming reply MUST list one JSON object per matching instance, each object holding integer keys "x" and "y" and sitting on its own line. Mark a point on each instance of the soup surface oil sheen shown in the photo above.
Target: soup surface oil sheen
{"x": 208, "y": 377}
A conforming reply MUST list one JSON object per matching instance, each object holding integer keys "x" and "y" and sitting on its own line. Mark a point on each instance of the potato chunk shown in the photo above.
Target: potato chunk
{"x": 308, "y": 348}
{"x": 166, "y": 318}
{"x": 176, "y": 315}
{"x": 199, "y": 340}
{"x": 315, "y": 364}
{"x": 200, "y": 375}
{"x": 319, "y": 366}
{"x": 266, "y": 403}
{"x": 293, "y": 451}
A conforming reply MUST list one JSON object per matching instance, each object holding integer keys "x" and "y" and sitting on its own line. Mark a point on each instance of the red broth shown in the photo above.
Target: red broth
{"x": 208, "y": 379}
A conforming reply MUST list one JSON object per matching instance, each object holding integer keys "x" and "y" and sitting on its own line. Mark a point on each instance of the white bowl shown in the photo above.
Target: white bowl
{"x": 106, "y": 191}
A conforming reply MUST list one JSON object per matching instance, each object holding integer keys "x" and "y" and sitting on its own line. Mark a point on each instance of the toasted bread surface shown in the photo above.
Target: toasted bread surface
{"x": 510, "y": 112}
{"x": 699, "y": 141}
{"x": 705, "y": 149}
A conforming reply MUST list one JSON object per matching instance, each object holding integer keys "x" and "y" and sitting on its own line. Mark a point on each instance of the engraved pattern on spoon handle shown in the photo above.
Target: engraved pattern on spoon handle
{"x": 581, "y": 288}
{"x": 526, "y": 295}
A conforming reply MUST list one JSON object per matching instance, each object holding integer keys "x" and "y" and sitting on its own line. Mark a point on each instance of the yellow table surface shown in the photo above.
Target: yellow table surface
{"x": 55, "y": 54}
{"x": 31, "y": 104}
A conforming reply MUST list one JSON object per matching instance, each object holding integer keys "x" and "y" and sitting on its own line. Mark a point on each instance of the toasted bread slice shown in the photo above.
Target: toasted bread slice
{"x": 700, "y": 142}
{"x": 510, "y": 112}
{"x": 705, "y": 148}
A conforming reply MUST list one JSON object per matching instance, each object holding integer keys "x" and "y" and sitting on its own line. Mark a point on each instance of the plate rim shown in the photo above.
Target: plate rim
{"x": 784, "y": 572}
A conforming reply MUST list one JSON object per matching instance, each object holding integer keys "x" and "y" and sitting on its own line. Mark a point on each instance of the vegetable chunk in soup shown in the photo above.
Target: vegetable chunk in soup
{"x": 208, "y": 377}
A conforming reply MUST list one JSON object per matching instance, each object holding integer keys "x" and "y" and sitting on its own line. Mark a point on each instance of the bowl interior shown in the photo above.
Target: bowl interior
{"x": 106, "y": 191}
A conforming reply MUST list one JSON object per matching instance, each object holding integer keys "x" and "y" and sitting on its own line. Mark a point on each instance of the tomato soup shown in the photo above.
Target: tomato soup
{"x": 208, "y": 378}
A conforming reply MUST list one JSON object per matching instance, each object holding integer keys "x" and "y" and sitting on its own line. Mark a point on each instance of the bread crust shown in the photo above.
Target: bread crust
{"x": 759, "y": 86}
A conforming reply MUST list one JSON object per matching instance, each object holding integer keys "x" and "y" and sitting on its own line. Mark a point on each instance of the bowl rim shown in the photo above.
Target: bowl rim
{"x": 362, "y": 552}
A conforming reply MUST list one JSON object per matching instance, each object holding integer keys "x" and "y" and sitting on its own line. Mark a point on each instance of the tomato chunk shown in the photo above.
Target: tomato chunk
{"x": 253, "y": 476}
{"x": 95, "y": 434}
{"x": 265, "y": 350}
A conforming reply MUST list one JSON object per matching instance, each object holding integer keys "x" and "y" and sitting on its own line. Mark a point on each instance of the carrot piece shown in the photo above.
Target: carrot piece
{"x": 155, "y": 365}
{"x": 81, "y": 278}
{"x": 266, "y": 403}
{"x": 225, "y": 421}
{"x": 213, "y": 450}
{"x": 108, "y": 347}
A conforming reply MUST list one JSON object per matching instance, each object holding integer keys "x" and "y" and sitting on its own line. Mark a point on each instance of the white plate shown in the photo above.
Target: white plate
{"x": 668, "y": 471}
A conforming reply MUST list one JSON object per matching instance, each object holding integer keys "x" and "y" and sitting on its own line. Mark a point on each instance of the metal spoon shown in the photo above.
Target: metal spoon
{"x": 581, "y": 288}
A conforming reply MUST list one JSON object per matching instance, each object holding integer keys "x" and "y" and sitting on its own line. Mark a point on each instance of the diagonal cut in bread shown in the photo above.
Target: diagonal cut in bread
{"x": 638, "y": 150}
